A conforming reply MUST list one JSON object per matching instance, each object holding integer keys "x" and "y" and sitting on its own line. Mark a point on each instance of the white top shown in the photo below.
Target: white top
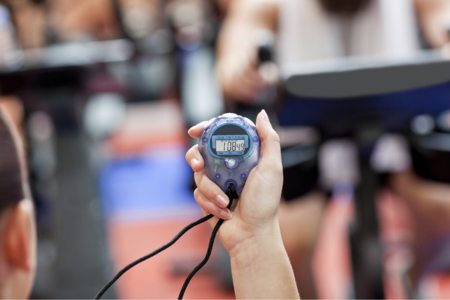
{"x": 385, "y": 28}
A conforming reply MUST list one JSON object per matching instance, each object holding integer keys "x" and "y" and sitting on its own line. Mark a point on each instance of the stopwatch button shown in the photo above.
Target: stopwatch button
{"x": 231, "y": 163}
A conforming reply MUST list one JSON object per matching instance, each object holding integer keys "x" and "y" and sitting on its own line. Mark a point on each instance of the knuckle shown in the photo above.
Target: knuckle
{"x": 201, "y": 199}
{"x": 197, "y": 196}
{"x": 189, "y": 153}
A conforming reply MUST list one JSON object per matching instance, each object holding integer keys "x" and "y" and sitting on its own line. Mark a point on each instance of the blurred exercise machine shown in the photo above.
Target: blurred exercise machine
{"x": 56, "y": 84}
{"x": 361, "y": 101}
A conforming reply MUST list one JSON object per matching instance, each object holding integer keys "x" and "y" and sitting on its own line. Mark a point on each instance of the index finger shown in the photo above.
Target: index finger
{"x": 196, "y": 130}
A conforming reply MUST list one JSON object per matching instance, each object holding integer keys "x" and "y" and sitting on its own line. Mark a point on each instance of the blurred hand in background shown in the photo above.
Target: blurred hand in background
{"x": 237, "y": 64}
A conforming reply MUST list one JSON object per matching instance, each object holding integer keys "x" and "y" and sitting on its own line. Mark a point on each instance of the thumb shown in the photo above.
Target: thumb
{"x": 270, "y": 142}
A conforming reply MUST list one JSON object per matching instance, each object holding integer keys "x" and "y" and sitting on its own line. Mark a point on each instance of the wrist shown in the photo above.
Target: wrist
{"x": 258, "y": 246}
{"x": 261, "y": 268}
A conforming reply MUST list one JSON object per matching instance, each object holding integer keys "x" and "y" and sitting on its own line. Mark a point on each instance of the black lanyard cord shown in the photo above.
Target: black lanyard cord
{"x": 206, "y": 258}
{"x": 164, "y": 247}
{"x": 150, "y": 255}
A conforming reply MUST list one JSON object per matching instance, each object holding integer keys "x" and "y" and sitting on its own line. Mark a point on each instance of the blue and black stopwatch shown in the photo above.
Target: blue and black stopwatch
{"x": 230, "y": 148}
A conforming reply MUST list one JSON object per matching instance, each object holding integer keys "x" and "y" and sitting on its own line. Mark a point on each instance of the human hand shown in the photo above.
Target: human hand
{"x": 255, "y": 214}
{"x": 239, "y": 76}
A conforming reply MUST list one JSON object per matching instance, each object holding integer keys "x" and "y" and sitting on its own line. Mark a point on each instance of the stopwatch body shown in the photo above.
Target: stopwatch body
{"x": 230, "y": 147}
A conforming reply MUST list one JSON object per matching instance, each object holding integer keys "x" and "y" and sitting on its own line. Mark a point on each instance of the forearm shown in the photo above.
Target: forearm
{"x": 244, "y": 19}
{"x": 237, "y": 43}
{"x": 261, "y": 268}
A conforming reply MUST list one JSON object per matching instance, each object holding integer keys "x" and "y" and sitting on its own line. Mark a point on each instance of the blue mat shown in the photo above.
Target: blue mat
{"x": 154, "y": 184}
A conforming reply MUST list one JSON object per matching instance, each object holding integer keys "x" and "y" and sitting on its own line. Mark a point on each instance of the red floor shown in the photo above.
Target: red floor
{"x": 155, "y": 278}
{"x": 148, "y": 126}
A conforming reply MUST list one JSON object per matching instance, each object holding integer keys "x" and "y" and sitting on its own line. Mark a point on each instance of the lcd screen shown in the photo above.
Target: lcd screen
{"x": 230, "y": 146}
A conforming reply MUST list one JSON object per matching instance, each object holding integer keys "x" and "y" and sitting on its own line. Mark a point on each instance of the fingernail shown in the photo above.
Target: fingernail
{"x": 264, "y": 115}
{"x": 222, "y": 201}
{"x": 225, "y": 214}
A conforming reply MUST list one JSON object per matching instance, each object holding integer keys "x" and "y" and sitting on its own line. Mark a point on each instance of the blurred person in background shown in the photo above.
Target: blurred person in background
{"x": 74, "y": 20}
{"x": 18, "y": 236}
{"x": 28, "y": 18}
{"x": 313, "y": 30}
{"x": 39, "y": 23}
{"x": 321, "y": 29}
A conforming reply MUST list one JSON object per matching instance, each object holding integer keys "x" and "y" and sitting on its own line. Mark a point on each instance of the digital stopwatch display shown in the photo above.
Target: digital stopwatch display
{"x": 230, "y": 140}
{"x": 230, "y": 144}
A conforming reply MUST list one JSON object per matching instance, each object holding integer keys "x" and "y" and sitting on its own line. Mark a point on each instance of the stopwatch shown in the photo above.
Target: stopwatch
{"x": 230, "y": 147}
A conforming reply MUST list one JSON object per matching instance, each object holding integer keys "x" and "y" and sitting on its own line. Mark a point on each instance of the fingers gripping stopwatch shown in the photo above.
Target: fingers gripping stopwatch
{"x": 230, "y": 148}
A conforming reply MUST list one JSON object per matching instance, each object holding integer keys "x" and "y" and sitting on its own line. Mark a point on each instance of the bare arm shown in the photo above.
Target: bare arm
{"x": 434, "y": 17}
{"x": 261, "y": 268}
{"x": 237, "y": 49}
{"x": 251, "y": 232}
